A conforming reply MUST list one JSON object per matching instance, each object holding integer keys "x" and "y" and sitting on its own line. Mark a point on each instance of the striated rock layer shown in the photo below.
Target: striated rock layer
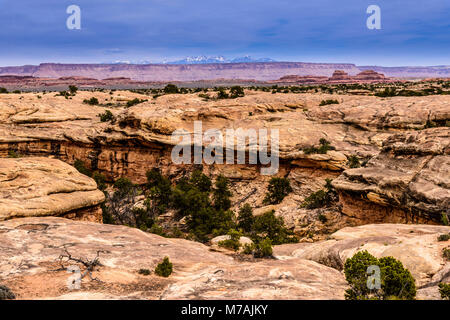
{"x": 409, "y": 181}
{"x": 140, "y": 139}
{"x": 47, "y": 187}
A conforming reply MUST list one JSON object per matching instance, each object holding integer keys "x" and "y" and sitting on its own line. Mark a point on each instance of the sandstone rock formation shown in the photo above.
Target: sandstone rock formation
{"x": 338, "y": 77}
{"x": 34, "y": 186}
{"x": 416, "y": 246}
{"x": 30, "y": 249}
{"x": 257, "y": 71}
{"x": 167, "y": 72}
{"x": 140, "y": 138}
{"x": 29, "y": 265}
{"x": 407, "y": 182}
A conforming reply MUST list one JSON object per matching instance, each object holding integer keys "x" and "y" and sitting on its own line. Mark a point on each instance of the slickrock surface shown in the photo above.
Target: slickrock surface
{"x": 416, "y": 246}
{"x": 412, "y": 173}
{"x": 30, "y": 248}
{"x": 140, "y": 139}
{"x": 29, "y": 265}
{"x": 46, "y": 187}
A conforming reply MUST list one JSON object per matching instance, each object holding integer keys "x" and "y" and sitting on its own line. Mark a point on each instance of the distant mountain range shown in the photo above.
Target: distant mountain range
{"x": 201, "y": 68}
{"x": 199, "y": 60}
{"x": 218, "y": 59}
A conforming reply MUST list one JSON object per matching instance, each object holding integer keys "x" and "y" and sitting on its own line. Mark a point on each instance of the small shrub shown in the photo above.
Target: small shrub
{"x": 73, "y": 90}
{"x": 278, "y": 189}
{"x": 157, "y": 229}
{"x": 134, "y": 102}
{"x": 13, "y": 154}
{"x": 263, "y": 249}
{"x": 92, "y": 101}
{"x": 6, "y": 293}
{"x": 222, "y": 94}
{"x": 322, "y": 218}
{"x": 245, "y": 218}
{"x": 107, "y": 116}
{"x": 353, "y": 162}
{"x": 222, "y": 194}
{"x": 326, "y": 102}
{"x": 444, "y": 219}
{"x": 396, "y": 281}
{"x": 79, "y": 165}
{"x": 248, "y": 249}
{"x": 315, "y": 200}
{"x": 3, "y": 90}
{"x": 144, "y": 272}
{"x": 165, "y": 268}
{"x": 444, "y": 290}
{"x": 170, "y": 89}
{"x": 324, "y": 147}
{"x": 232, "y": 243}
{"x": 444, "y": 237}
{"x": 446, "y": 254}
{"x": 236, "y": 91}
{"x": 100, "y": 180}
{"x": 321, "y": 198}
{"x": 388, "y": 92}
{"x": 268, "y": 226}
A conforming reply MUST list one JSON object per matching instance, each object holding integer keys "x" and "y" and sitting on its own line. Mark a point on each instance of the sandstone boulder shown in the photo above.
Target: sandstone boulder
{"x": 46, "y": 187}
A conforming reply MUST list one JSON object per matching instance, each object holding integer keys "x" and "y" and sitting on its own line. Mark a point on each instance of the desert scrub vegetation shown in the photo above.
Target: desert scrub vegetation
{"x": 444, "y": 290}
{"x": 396, "y": 282}
{"x": 261, "y": 249}
{"x": 234, "y": 92}
{"x": 321, "y": 198}
{"x": 203, "y": 205}
{"x": 232, "y": 243}
{"x": 135, "y": 101}
{"x": 324, "y": 147}
{"x": 446, "y": 253}
{"x": 328, "y": 101}
{"x": 13, "y": 154}
{"x": 107, "y": 116}
{"x": 171, "y": 89}
{"x": 444, "y": 237}
{"x": 92, "y": 101}
{"x": 6, "y": 293}
{"x": 353, "y": 162}
{"x": 277, "y": 190}
{"x": 165, "y": 268}
{"x": 444, "y": 219}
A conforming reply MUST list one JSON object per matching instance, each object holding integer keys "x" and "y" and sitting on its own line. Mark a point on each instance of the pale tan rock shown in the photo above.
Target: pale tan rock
{"x": 45, "y": 187}
{"x": 30, "y": 247}
{"x": 416, "y": 246}
{"x": 408, "y": 181}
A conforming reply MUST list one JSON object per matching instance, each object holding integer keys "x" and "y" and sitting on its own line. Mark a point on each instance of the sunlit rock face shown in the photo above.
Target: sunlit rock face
{"x": 31, "y": 187}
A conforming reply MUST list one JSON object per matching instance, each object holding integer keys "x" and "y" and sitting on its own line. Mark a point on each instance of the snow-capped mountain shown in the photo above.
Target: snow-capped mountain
{"x": 250, "y": 59}
{"x": 217, "y": 59}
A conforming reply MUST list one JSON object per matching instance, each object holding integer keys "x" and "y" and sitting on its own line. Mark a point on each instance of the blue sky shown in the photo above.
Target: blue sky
{"x": 414, "y": 32}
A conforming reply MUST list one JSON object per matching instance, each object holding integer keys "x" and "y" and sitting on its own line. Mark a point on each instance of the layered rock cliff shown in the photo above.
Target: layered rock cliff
{"x": 140, "y": 139}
